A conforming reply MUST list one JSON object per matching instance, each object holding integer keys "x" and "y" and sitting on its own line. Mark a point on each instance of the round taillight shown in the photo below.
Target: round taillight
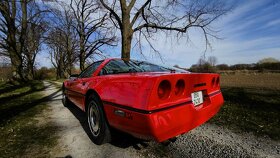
{"x": 213, "y": 82}
{"x": 164, "y": 89}
{"x": 217, "y": 81}
{"x": 179, "y": 87}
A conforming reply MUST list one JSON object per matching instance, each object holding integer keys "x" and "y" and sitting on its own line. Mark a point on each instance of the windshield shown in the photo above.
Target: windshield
{"x": 117, "y": 66}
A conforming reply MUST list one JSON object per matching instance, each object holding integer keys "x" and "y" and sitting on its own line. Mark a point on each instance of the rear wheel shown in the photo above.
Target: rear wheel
{"x": 97, "y": 122}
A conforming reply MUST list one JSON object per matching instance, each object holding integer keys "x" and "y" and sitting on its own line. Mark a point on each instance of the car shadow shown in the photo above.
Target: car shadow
{"x": 119, "y": 139}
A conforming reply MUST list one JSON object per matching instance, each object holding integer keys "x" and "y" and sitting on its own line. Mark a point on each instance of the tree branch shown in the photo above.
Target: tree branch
{"x": 131, "y": 4}
{"x": 139, "y": 12}
{"x": 112, "y": 12}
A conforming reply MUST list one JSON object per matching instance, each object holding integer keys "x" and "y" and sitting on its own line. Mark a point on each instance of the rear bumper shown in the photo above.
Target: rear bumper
{"x": 164, "y": 124}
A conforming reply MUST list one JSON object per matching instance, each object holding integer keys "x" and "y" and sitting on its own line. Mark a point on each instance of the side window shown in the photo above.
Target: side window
{"x": 89, "y": 71}
{"x": 120, "y": 66}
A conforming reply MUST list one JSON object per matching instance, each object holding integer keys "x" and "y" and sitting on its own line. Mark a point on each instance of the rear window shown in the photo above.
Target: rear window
{"x": 117, "y": 66}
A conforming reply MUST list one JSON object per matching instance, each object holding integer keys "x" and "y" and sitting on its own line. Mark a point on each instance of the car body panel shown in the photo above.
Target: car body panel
{"x": 132, "y": 105}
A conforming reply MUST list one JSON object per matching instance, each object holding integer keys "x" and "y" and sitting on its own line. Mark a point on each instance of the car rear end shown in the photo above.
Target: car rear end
{"x": 182, "y": 102}
{"x": 175, "y": 104}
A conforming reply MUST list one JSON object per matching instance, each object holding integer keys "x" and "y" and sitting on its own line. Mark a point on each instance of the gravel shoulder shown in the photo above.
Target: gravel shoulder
{"x": 205, "y": 141}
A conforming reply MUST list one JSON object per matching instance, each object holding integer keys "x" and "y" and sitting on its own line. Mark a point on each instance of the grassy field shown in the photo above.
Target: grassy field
{"x": 19, "y": 132}
{"x": 252, "y": 104}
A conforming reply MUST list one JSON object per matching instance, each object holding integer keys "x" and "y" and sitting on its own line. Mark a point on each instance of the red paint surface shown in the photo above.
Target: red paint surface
{"x": 140, "y": 91}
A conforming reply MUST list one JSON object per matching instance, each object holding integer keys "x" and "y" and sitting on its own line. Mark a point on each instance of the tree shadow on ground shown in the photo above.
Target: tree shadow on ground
{"x": 12, "y": 87}
{"x": 119, "y": 139}
{"x": 12, "y": 111}
{"x": 20, "y": 133}
{"x": 33, "y": 89}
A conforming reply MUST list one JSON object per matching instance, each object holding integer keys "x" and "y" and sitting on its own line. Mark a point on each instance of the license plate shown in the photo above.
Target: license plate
{"x": 197, "y": 98}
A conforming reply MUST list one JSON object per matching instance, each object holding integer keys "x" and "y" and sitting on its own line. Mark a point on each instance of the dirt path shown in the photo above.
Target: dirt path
{"x": 205, "y": 141}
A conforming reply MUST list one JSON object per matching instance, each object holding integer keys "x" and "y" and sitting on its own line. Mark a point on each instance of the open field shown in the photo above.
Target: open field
{"x": 252, "y": 103}
{"x": 19, "y": 131}
{"x": 269, "y": 81}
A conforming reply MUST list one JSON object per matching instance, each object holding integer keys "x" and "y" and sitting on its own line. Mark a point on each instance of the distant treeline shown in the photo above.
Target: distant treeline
{"x": 264, "y": 65}
{"x": 261, "y": 66}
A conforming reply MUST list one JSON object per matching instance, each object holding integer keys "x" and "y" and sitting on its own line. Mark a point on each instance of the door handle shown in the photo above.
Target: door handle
{"x": 84, "y": 83}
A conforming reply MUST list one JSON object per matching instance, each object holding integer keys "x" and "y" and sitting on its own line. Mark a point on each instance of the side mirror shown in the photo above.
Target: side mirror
{"x": 73, "y": 76}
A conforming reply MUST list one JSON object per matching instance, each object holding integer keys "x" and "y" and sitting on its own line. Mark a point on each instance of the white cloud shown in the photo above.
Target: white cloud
{"x": 231, "y": 50}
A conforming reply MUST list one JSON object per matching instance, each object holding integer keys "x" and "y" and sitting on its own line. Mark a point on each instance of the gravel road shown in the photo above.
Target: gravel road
{"x": 205, "y": 141}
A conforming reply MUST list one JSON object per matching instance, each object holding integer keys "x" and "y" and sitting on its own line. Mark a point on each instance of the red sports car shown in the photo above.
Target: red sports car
{"x": 148, "y": 101}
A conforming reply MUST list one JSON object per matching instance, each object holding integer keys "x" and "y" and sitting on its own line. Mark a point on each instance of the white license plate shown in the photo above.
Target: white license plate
{"x": 197, "y": 98}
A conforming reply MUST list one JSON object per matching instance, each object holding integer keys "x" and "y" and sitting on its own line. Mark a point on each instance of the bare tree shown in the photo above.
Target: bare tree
{"x": 70, "y": 42}
{"x": 58, "y": 55}
{"x": 204, "y": 65}
{"x": 62, "y": 41}
{"x": 18, "y": 20}
{"x": 148, "y": 17}
{"x": 36, "y": 29}
{"x": 8, "y": 10}
{"x": 92, "y": 30}
{"x": 212, "y": 60}
{"x": 202, "y": 61}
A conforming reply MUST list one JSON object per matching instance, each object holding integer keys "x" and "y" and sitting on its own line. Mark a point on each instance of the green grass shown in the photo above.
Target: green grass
{"x": 20, "y": 133}
{"x": 250, "y": 108}
{"x": 59, "y": 80}
{"x": 16, "y": 98}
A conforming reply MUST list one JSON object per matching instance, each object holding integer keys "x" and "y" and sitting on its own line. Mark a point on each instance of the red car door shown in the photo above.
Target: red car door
{"x": 76, "y": 94}
{"x": 79, "y": 85}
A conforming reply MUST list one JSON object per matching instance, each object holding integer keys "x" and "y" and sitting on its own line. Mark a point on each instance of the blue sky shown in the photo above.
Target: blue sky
{"x": 250, "y": 32}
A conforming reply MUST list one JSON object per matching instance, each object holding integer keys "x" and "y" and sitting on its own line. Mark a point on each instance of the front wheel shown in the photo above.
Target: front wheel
{"x": 98, "y": 126}
{"x": 65, "y": 100}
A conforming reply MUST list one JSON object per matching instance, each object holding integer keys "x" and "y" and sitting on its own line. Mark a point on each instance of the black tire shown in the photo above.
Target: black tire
{"x": 65, "y": 100}
{"x": 97, "y": 122}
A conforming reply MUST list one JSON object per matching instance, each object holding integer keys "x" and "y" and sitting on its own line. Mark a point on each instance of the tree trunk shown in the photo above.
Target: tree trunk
{"x": 126, "y": 45}
{"x": 82, "y": 59}
{"x": 58, "y": 72}
{"x": 22, "y": 37}
{"x": 127, "y": 34}
{"x": 69, "y": 62}
{"x": 15, "y": 64}
{"x": 82, "y": 49}
{"x": 14, "y": 54}
{"x": 20, "y": 70}
{"x": 30, "y": 69}
{"x": 69, "y": 54}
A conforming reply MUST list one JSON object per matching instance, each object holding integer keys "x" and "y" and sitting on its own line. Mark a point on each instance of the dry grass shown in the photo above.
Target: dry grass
{"x": 251, "y": 80}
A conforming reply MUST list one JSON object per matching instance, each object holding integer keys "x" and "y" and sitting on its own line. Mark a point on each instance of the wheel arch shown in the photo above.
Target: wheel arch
{"x": 92, "y": 92}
